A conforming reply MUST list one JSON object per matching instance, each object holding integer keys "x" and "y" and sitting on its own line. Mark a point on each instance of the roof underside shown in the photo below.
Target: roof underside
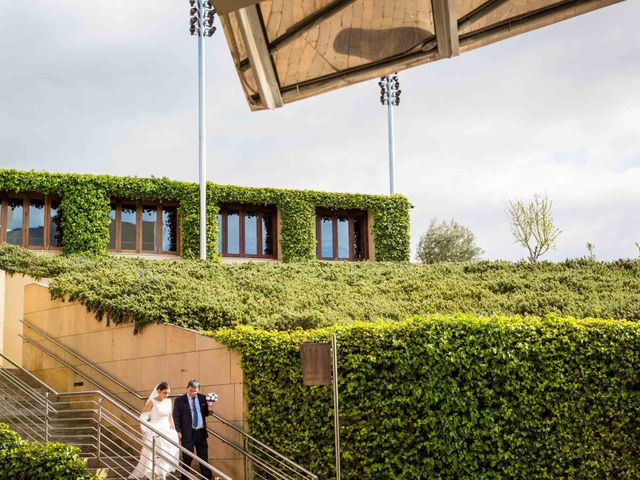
{"x": 286, "y": 50}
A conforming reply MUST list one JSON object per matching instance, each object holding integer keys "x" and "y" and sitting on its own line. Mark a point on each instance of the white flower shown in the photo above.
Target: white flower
{"x": 212, "y": 397}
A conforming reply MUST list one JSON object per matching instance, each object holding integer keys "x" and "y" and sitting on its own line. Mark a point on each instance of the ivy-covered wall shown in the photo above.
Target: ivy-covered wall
{"x": 454, "y": 397}
{"x": 86, "y": 199}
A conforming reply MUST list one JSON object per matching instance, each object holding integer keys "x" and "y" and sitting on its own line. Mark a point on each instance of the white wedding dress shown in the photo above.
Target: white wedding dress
{"x": 167, "y": 456}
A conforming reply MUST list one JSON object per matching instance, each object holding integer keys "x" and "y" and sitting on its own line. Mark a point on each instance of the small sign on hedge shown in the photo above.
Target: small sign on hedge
{"x": 316, "y": 363}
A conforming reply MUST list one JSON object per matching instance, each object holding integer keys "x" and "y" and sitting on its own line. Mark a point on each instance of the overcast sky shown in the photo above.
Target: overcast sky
{"x": 109, "y": 87}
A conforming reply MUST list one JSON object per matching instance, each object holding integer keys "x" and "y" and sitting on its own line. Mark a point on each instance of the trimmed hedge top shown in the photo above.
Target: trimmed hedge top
{"x": 86, "y": 201}
{"x": 209, "y": 295}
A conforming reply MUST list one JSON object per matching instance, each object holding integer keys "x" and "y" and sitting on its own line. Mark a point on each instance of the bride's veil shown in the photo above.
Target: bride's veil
{"x": 139, "y": 470}
{"x": 154, "y": 393}
{"x": 145, "y": 417}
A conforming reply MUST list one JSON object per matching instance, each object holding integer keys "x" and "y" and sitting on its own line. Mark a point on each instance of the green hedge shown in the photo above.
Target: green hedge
{"x": 20, "y": 460}
{"x": 316, "y": 294}
{"x": 455, "y": 397}
{"x": 86, "y": 199}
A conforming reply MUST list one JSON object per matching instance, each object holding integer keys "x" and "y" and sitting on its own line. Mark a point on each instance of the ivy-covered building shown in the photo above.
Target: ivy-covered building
{"x": 102, "y": 214}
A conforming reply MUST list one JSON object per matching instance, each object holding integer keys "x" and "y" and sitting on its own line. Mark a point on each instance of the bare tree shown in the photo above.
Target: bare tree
{"x": 532, "y": 225}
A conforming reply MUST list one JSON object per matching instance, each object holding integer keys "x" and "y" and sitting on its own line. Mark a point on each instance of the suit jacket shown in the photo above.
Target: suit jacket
{"x": 182, "y": 415}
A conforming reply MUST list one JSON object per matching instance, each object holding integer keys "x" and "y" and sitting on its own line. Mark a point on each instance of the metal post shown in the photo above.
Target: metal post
{"x": 46, "y": 417}
{"x": 202, "y": 154}
{"x": 99, "y": 443}
{"x": 246, "y": 459}
{"x": 392, "y": 180}
{"x": 390, "y": 96}
{"x": 153, "y": 457}
{"x": 336, "y": 412}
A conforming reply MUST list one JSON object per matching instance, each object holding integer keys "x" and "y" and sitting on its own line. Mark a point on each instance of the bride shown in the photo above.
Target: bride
{"x": 157, "y": 413}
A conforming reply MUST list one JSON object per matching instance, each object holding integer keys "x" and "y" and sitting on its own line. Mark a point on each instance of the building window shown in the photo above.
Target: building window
{"x": 143, "y": 228}
{"x": 247, "y": 231}
{"x": 341, "y": 235}
{"x": 31, "y": 221}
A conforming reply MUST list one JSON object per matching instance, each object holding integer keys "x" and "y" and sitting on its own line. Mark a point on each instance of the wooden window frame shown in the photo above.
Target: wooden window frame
{"x": 26, "y": 198}
{"x": 139, "y": 205}
{"x": 351, "y": 215}
{"x": 260, "y": 210}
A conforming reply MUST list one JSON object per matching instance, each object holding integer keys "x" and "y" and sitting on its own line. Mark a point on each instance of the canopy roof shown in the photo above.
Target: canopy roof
{"x": 286, "y": 50}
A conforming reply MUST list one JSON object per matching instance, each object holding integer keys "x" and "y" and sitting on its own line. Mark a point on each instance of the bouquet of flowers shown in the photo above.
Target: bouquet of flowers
{"x": 212, "y": 397}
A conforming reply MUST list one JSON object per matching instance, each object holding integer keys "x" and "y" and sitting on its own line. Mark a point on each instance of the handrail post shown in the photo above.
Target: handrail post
{"x": 153, "y": 457}
{"x": 246, "y": 458}
{"x": 99, "y": 445}
{"x": 46, "y": 416}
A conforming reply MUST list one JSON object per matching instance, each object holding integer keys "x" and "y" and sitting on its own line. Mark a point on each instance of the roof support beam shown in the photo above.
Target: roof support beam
{"x": 485, "y": 9}
{"x": 446, "y": 26}
{"x": 557, "y": 9}
{"x": 307, "y": 23}
{"x": 225, "y": 6}
{"x": 258, "y": 54}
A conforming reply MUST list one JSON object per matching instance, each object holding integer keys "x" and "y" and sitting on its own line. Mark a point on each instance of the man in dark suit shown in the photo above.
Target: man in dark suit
{"x": 189, "y": 415}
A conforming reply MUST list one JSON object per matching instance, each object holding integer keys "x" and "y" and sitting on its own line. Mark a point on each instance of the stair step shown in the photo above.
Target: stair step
{"x": 73, "y": 423}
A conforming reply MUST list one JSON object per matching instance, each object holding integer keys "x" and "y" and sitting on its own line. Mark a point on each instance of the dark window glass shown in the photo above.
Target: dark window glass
{"x": 326, "y": 235}
{"x": 149, "y": 224}
{"x": 220, "y": 233}
{"x": 246, "y": 231}
{"x": 112, "y": 228}
{"x": 341, "y": 235}
{"x": 169, "y": 229}
{"x": 358, "y": 238}
{"x": 250, "y": 233}
{"x": 267, "y": 233}
{"x": 343, "y": 238}
{"x": 14, "y": 221}
{"x": 128, "y": 227}
{"x": 55, "y": 225}
{"x": 36, "y": 223}
{"x": 233, "y": 233}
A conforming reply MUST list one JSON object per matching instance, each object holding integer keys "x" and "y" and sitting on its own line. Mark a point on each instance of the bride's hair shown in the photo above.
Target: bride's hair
{"x": 162, "y": 386}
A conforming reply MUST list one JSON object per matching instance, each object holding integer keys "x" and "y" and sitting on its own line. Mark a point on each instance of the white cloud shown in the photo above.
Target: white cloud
{"x": 109, "y": 86}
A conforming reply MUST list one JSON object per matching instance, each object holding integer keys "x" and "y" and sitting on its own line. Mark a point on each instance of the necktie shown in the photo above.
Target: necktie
{"x": 195, "y": 413}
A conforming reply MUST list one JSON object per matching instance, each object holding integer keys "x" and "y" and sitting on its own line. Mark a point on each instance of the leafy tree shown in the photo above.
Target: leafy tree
{"x": 447, "y": 242}
{"x": 532, "y": 225}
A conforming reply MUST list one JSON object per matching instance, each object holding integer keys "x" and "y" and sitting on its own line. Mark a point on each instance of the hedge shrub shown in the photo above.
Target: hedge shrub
{"x": 455, "y": 397}
{"x": 20, "y": 460}
{"x": 86, "y": 199}
{"x": 316, "y": 294}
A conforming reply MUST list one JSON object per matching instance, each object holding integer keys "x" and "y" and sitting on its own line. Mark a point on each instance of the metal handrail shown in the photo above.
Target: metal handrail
{"x": 124, "y": 410}
{"x": 259, "y": 461}
{"x": 278, "y": 457}
{"x": 79, "y": 357}
{"x": 191, "y": 474}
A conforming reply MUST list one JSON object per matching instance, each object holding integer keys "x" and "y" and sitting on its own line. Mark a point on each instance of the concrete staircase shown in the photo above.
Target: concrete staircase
{"x": 109, "y": 449}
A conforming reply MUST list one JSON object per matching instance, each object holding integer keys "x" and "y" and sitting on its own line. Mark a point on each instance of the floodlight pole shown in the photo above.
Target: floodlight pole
{"x": 390, "y": 96}
{"x": 392, "y": 177}
{"x": 202, "y": 122}
{"x": 202, "y": 16}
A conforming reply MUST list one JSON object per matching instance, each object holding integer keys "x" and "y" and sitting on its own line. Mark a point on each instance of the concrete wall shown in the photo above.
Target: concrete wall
{"x": 158, "y": 353}
{"x": 11, "y": 312}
